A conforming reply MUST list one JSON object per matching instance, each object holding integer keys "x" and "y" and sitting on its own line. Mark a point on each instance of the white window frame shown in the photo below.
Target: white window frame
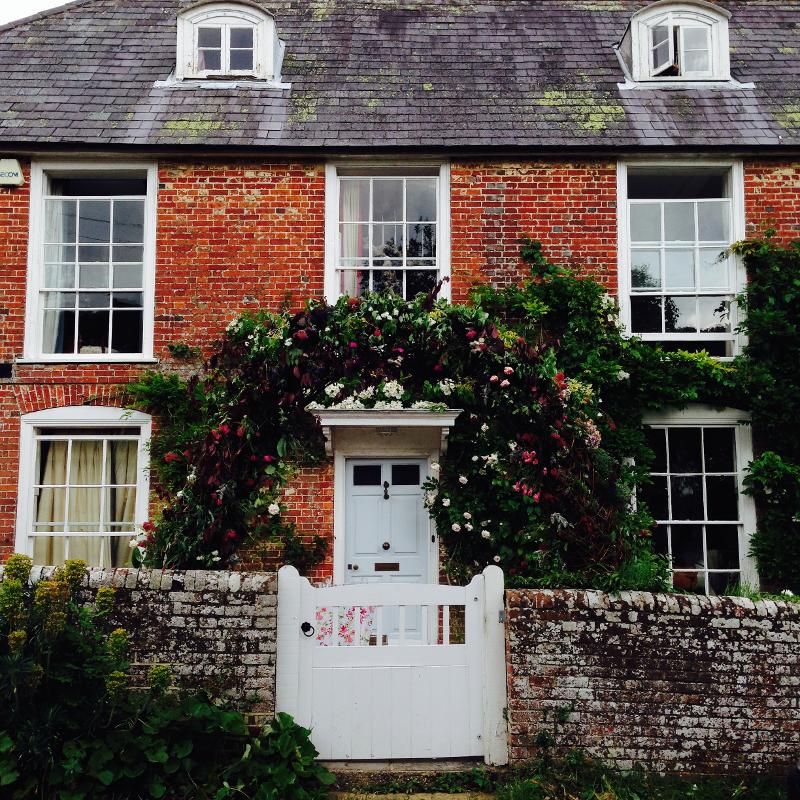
{"x": 77, "y": 418}
{"x": 693, "y": 14}
{"x": 267, "y": 48}
{"x": 702, "y": 416}
{"x": 33, "y": 329}
{"x": 737, "y": 233}
{"x": 440, "y": 170}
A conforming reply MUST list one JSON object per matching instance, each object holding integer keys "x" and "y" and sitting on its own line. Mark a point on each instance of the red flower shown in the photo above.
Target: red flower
{"x": 170, "y": 457}
{"x": 472, "y": 335}
{"x": 225, "y": 428}
{"x": 240, "y": 431}
{"x": 230, "y": 535}
{"x": 148, "y": 526}
{"x": 186, "y": 454}
{"x": 268, "y": 459}
{"x": 254, "y": 458}
{"x": 301, "y": 335}
{"x": 377, "y": 333}
{"x": 353, "y": 345}
{"x": 354, "y": 302}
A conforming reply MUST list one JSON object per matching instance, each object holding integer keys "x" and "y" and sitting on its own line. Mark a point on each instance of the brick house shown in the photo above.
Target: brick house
{"x": 167, "y": 164}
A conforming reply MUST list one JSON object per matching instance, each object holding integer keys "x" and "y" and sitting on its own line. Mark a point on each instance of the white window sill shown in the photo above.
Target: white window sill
{"x": 708, "y": 83}
{"x": 233, "y": 82}
{"x": 86, "y": 360}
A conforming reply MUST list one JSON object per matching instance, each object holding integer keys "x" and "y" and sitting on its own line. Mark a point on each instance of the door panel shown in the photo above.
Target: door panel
{"x": 365, "y": 513}
{"x": 404, "y": 532}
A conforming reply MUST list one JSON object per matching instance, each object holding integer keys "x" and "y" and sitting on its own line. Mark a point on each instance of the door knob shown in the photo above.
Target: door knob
{"x": 386, "y": 545}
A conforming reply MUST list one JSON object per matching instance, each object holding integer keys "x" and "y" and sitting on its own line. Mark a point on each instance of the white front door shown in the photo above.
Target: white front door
{"x": 388, "y": 530}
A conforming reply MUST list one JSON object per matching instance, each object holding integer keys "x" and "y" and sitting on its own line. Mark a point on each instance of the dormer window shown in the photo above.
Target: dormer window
{"x": 228, "y": 40}
{"x": 669, "y": 41}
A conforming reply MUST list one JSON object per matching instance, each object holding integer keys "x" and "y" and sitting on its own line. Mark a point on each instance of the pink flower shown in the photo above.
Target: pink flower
{"x": 472, "y": 335}
{"x": 353, "y": 345}
{"x": 268, "y": 459}
{"x": 508, "y": 370}
{"x": 505, "y": 384}
{"x": 494, "y": 379}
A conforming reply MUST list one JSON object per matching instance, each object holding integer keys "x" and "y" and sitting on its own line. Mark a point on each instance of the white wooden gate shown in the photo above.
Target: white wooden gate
{"x": 394, "y": 671}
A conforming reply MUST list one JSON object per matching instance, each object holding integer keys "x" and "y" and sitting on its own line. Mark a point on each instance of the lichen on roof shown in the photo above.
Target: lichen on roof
{"x": 303, "y": 107}
{"x": 588, "y": 110}
{"x": 789, "y": 116}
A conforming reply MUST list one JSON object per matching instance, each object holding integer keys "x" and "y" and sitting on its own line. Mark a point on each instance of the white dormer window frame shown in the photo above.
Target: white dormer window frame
{"x": 240, "y": 28}
{"x": 680, "y": 42}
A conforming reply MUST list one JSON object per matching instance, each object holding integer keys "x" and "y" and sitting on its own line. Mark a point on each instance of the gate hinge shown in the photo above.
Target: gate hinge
{"x": 501, "y": 615}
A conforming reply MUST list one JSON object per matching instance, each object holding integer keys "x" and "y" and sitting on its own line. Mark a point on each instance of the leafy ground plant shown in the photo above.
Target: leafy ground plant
{"x": 73, "y": 727}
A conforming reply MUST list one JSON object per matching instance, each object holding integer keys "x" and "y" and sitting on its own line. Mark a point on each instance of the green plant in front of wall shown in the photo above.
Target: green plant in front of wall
{"x": 541, "y": 464}
{"x": 769, "y": 370}
{"x": 73, "y": 728}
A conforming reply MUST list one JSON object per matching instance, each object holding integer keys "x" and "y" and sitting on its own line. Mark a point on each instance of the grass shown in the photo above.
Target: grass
{"x": 580, "y": 778}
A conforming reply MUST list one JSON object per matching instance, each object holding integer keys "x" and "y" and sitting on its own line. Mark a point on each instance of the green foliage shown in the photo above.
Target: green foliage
{"x": 185, "y": 352}
{"x": 769, "y": 372}
{"x": 74, "y": 729}
{"x": 580, "y": 778}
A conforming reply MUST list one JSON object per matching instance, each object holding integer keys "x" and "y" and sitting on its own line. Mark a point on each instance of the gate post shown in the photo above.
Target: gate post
{"x": 287, "y": 662}
{"x": 495, "y": 726}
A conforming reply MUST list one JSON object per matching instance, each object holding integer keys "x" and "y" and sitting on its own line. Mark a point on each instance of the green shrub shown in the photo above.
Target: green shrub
{"x": 74, "y": 729}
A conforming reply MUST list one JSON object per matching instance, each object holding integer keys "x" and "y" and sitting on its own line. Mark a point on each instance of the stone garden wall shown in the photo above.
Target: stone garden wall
{"x": 685, "y": 684}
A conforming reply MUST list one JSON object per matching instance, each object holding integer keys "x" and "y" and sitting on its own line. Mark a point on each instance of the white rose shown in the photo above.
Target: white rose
{"x": 446, "y": 502}
{"x": 463, "y": 480}
{"x": 484, "y": 428}
{"x": 455, "y": 527}
{"x": 485, "y": 534}
{"x": 435, "y": 466}
{"x": 496, "y": 559}
{"x": 468, "y": 527}
{"x": 288, "y": 342}
{"x": 274, "y": 509}
{"x": 467, "y": 515}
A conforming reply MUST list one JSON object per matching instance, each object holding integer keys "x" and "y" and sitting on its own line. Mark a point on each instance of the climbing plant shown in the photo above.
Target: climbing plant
{"x": 542, "y": 462}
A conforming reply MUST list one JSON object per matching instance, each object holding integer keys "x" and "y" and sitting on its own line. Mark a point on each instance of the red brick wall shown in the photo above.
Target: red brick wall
{"x": 571, "y": 207}
{"x": 676, "y": 683}
{"x": 772, "y": 198}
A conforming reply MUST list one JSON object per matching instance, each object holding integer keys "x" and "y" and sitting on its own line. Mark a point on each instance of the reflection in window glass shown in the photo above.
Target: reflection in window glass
{"x": 694, "y": 498}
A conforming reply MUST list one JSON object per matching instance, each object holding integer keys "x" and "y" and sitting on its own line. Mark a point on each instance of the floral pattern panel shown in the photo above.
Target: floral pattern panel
{"x": 338, "y": 627}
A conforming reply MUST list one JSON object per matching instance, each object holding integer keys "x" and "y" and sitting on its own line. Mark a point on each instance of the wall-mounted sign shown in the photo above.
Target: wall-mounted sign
{"x": 11, "y": 172}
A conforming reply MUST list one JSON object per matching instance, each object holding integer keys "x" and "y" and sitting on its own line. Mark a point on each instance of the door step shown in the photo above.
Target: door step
{"x": 411, "y": 776}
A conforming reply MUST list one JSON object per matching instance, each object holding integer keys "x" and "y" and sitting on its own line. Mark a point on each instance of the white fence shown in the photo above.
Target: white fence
{"x": 394, "y": 671}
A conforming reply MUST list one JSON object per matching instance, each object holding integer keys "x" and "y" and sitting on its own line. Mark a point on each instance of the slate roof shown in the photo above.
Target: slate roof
{"x": 378, "y": 74}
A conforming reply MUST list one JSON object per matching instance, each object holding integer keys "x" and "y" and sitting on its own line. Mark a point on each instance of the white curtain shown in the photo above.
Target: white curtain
{"x": 51, "y": 319}
{"x": 88, "y": 484}
{"x": 351, "y": 236}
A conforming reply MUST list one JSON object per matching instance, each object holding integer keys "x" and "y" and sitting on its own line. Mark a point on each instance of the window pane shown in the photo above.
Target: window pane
{"x": 84, "y": 503}
{"x": 51, "y": 464}
{"x": 685, "y": 450}
{"x": 421, "y": 200}
{"x": 655, "y": 496}
{"x": 696, "y": 61}
{"x": 58, "y": 335}
{"x": 129, "y": 253}
{"x": 126, "y": 334}
{"x": 680, "y": 314}
{"x": 405, "y": 475}
{"x": 679, "y": 269}
{"x": 713, "y": 219}
{"x": 420, "y": 282}
{"x": 85, "y": 467}
{"x": 210, "y": 60}
{"x": 722, "y": 546}
{"x": 59, "y": 276}
{"x": 127, "y": 300}
{"x": 659, "y": 34}
{"x": 127, "y": 276}
{"x": 660, "y": 540}
{"x": 687, "y": 546}
{"x": 687, "y": 497}
{"x": 56, "y": 252}
{"x": 679, "y": 222}
{"x": 719, "y": 445}
{"x": 242, "y": 38}
{"x": 95, "y": 221}
{"x": 93, "y": 331}
{"x": 646, "y": 269}
{"x": 661, "y": 55}
{"x": 713, "y": 348}
{"x": 60, "y": 221}
{"x": 94, "y": 253}
{"x": 241, "y": 60}
{"x": 387, "y": 240}
{"x": 694, "y": 581}
{"x": 94, "y": 300}
{"x": 387, "y": 281}
{"x": 94, "y": 276}
{"x": 713, "y": 269}
{"x": 645, "y": 222}
{"x": 129, "y": 221}
{"x": 715, "y": 315}
{"x": 354, "y": 241}
{"x": 695, "y": 38}
{"x": 657, "y": 442}
{"x": 421, "y": 242}
{"x": 354, "y": 200}
{"x": 209, "y": 37}
{"x": 367, "y": 475}
{"x": 387, "y": 200}
{"x": 646, "y": 315}
{"x": 723, "y": 582}
{"x": 722, "y": 497}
